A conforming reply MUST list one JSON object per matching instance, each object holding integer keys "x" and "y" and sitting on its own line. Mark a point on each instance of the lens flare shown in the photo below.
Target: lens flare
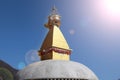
{"x": 32, "y": 56}
{"x": 113, "y": 6}
{"x": 72, "y": 31}
{"x": 21, "y": 65}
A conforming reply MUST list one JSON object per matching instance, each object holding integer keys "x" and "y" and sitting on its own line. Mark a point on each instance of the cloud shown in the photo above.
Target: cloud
{"x": 32, "y": 56}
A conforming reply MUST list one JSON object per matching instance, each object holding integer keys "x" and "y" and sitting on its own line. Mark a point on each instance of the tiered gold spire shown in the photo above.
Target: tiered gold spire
{"x": 54, "y": 46}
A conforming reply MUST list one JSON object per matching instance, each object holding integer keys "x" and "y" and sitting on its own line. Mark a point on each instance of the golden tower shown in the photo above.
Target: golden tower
{"x": 55, "y": 46}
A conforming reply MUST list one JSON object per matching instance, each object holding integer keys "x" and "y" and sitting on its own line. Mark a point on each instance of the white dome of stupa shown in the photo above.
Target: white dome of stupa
{"x": 48, "y": 69}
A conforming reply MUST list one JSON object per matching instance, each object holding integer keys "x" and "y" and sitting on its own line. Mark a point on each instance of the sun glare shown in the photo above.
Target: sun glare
{"x": 113, "y": 6}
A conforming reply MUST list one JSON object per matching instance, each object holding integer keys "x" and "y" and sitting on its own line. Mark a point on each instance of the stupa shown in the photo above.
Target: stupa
{"x": 55, "y": 61}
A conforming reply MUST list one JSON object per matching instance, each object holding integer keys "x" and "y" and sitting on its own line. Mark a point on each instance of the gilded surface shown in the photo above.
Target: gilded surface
{"x": 55, "y": 38}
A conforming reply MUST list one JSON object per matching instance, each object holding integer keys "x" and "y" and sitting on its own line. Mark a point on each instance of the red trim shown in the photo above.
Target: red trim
{"x": 58, "y": 50}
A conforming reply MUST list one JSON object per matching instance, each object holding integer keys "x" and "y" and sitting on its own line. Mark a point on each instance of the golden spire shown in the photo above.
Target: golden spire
{"x": 53, "y": 18}
{"x": 54, "y": 46}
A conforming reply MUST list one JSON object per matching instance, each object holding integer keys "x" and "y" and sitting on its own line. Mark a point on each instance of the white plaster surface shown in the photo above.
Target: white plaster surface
{"x": 56, "y": 69}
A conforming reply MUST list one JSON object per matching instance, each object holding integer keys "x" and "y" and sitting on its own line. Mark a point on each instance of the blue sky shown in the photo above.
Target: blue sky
{"x": 92, "y": 31}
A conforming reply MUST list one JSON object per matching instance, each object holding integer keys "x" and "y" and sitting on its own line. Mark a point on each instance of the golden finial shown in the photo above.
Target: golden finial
{"x": 53, "y": 19}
